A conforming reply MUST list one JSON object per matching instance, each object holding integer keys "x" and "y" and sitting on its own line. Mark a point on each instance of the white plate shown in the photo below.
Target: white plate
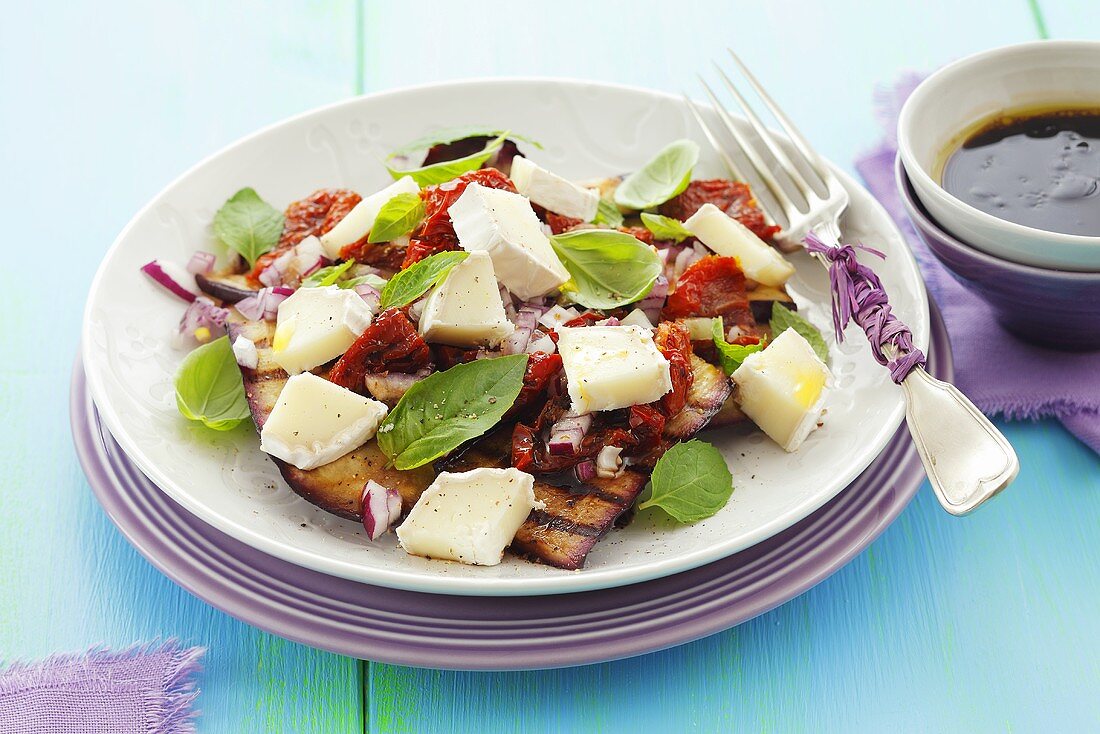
{"x": 588, "y": 130}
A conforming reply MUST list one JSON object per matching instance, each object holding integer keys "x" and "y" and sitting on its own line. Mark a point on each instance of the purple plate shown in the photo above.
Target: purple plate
{"x": 494, "y": 633}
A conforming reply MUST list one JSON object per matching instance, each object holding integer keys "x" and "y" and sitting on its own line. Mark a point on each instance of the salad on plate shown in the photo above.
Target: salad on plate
{"x": 486, "y": 356}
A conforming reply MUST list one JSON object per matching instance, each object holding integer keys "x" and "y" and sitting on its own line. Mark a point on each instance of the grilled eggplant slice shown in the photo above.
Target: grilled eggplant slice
{"x": 336, "y": 487}
{"x": 573, "y": 520}
{"x": 709, "y": 392}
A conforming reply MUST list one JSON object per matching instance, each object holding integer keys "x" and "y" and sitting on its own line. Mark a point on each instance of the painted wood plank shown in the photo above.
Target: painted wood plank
{"x": 942, "y": 625}
{"x": 105, "y": 103}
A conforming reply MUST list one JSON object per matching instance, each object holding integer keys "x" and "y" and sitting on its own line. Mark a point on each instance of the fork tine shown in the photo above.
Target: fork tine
{"x": 734, "y": 169}
{"x": 762, "y": 132}
{"x": 790, "y": 211}
{"x": 816, "y": 164}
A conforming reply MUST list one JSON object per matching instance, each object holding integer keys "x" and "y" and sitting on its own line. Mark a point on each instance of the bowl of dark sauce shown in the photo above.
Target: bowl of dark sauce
{"x": 1003, "y": 151}
{"x": 1053, "y": 308}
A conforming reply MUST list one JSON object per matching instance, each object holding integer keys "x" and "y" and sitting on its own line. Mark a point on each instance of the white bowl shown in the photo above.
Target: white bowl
{"x": 948, "y": 103}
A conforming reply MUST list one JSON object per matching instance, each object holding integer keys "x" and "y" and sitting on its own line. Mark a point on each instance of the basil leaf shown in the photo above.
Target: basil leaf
{"x": 209, "y": 387}
{"x": 248, "y": 225}
{"x": 690, "y": 482}
{"x": 396, "y": 218}
{"x": 783, "y": 318}
{"x": 438, "y": 173}
{"x": 608, "y": 268}
{"x": 374, "y": 281}
{"x": 328, "y": 275}
{"x": 665, "y": 228}
{"x": 452, "y": 134}
{"x": 414, "y": 281}
{"x": 659, "y": 180}
{"x": 446, "y": 409}
{"x": 730, "y": 355}
{"x": 608, "y": 214}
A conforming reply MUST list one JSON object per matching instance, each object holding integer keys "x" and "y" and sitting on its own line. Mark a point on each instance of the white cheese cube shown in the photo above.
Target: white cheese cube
{"x": 466, "y": 310}
{"x": 357, "y": 223}
{"x": 469, "y": 517}
{"x": 315, "y": 421}
{"x": 782, "y": 388}
{"x": 504, "y": 225}
{"x": 609, "y": 367}
{"x": 553, "y": 192}
{"x": 317, "y": 324}
{"x": 637, "y": 317}
{"x": 726, "y": 236}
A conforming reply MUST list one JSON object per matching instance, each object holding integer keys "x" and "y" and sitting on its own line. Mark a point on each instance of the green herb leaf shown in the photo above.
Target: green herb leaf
{"x": 783, "y": 318}
{"x": 453, "y": 134}
{"x": 659, "y": 180}
{"x": 409, "y": 284}
{"x": 374, "y": 281}
{"x": 328, "y": 275}
{"x": 396, "y": 218}
{"x": 608, "y": 268}
{"x": 665, "y": 228}
{"x": 248, "y": 225}
{"x": 690, "y": 482}
{"x": 608, "y": 214}
{"x": 437, "y": 173}
{"x": 209, "y": 387}
{"x": 446, "y": 409}
{"x": 731, "y": 355}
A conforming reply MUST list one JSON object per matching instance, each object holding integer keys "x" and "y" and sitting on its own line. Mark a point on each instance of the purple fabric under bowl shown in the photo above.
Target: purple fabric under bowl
{"x": 1052, "y": 308}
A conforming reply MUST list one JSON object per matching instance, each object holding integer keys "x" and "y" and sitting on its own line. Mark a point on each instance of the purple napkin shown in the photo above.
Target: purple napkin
{"x": 144, "y": 690}
{"x": 1001, "y": 374}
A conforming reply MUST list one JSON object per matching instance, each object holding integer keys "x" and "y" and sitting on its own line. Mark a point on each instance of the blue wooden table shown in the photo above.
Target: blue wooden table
{"x": 981, "y": 624}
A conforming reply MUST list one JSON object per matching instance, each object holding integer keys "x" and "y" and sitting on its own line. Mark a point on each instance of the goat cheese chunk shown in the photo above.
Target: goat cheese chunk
{"x": 726, "y": 236}
{"x": 504, "y": 225}
{"x": 357, "y": 223}
{"x": 315, "y": 325}
{"x": 466, "y": 309}
{"x": 609, "y": 367}
{"x": 782, "y": 388}
{"x": 469, "y": 517}
{"x": 315, "y": 422}
{"x": 553, "y": 192}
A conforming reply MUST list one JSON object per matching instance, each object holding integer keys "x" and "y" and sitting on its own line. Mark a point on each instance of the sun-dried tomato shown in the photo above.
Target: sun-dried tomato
{"x": 639, "y": 233}
{"x": 388, "y": 255}
{"x": 732, "y": 197}
{"x": 712, "y": 286}
{"x": 647, "y": 424}
{"x": 314, "y": 215}
{"x": 446, "y": 356}
{"x": 524, "y": 448}
{"x": 390, "y": 343}
{"x": 436, "y": 233}
{"x": 541, "y": 369}
{"x": 559, "y": 223}
{"x": 585, "y": 319}
{"x": 674, "y": 342}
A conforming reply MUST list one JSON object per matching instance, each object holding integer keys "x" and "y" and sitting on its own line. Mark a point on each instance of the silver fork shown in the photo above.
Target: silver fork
{"x": 966, "y": 457}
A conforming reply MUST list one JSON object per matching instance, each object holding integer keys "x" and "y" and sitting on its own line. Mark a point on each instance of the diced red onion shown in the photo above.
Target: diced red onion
{"x": 608, "y": 463}
{"x": 265, "y": 304}
{"x": 202, "y": 321}
{"x": 609, "y": 321}
{"x": 516, "y": 342}
{"x": 687, "y": 257}
{"x": 244, "y": 349}
{"x": 369, "y": 294}
{"x": 277, "y": 271}
{"x": 390, "y": 386}
{"x": 201, "y": 263}
{"x": 541, "y": 343}
{"x": 381, "y": 509}
{"x": 566, "y": 434}
{"x": 309, "y": 256}
{"x": 509, "y": 305}
{"x": 171, "y": 278}
{"x": 585, "y": 471}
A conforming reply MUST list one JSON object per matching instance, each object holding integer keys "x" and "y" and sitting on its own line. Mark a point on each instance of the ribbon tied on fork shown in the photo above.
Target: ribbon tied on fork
{"x": 858, "y": 295}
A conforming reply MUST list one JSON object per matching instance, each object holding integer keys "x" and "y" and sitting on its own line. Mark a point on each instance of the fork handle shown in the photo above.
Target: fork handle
{"x": 966, "y": 458}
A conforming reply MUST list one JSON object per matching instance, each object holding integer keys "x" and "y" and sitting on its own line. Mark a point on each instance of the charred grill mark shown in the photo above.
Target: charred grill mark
{"x": 543, "y": 519}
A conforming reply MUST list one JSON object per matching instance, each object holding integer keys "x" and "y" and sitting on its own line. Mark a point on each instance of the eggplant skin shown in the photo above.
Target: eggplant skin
{"x": 226, "y": 288}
